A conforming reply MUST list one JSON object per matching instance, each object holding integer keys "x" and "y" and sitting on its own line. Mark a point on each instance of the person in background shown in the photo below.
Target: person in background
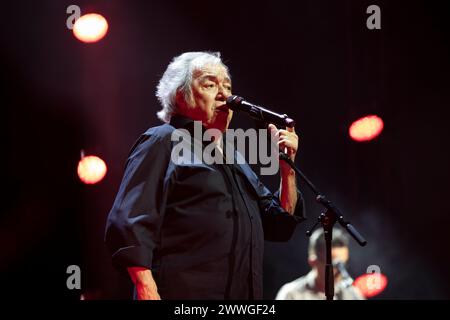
{"x": 312, "y": 285}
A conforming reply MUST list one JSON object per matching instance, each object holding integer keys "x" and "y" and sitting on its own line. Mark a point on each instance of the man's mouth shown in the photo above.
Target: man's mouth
{"x": 222, "y": 108}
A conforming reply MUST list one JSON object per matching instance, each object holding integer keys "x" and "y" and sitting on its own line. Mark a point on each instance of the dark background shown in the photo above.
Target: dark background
{"x": 314, "y": 60}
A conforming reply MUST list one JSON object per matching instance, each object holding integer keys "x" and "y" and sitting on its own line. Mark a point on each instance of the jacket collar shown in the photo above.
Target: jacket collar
{"x": 178, "y": 121}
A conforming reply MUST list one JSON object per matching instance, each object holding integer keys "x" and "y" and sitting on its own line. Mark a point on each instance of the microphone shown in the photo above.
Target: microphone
{"x": 237, "y": 103}
{"x": 347, "y": 280}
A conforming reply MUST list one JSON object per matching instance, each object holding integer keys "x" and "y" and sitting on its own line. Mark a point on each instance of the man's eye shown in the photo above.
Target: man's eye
{"x": 210, "y": 85}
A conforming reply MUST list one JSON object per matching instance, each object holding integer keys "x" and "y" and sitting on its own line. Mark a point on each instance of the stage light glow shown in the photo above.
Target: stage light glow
{"x": 90, "y": 28}
{"x": 366, "y": 128}
{"x": 91, "y": 169}
{"x": 371, "y": 284}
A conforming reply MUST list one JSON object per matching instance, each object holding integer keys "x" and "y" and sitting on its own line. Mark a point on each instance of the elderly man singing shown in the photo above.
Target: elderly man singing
{"x": 197, "y": 230}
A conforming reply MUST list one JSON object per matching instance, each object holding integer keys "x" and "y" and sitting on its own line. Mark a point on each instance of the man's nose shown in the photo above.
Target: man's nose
{"x": 223, "y": 93}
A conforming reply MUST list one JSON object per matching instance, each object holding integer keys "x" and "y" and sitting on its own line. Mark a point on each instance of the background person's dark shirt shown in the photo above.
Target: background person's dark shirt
{"x": 200, "y": 228}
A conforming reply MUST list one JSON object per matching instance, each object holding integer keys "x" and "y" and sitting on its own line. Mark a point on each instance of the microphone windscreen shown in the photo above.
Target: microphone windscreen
{"x": 233, "y": 102}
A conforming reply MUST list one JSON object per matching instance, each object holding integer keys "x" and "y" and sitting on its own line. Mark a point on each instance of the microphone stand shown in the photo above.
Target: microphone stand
{"x": 327, "y": 219}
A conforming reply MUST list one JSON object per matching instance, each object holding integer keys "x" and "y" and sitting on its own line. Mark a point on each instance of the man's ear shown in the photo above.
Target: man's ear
{"x": 179, "y": 98}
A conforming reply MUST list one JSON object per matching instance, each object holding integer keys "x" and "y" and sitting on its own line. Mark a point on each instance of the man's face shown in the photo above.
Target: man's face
{"x": 211, "y": 86}
{"x": 337, "y": 254}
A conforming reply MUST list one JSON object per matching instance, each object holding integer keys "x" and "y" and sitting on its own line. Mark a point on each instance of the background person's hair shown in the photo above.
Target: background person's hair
{"x": 317, "y": 242}
{"x": 178, "y": 77}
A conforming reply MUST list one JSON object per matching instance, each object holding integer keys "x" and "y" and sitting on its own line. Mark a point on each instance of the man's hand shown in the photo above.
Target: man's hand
{"x": 287, "y": 140}
{"x": 145, "y": 284}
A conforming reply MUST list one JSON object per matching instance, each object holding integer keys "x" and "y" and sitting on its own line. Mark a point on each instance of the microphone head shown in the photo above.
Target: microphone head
{"x": 340, "y": 266}
{"x": 234, "y": 101}
{"x": 338, "y": 263}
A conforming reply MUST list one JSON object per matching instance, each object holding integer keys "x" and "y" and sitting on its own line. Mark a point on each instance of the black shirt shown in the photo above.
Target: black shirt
{"x": 200, "y": 228}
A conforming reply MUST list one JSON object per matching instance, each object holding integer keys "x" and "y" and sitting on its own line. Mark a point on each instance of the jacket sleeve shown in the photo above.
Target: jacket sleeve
{"x": 278, "y": 224}
{"x": 133, "y": 224}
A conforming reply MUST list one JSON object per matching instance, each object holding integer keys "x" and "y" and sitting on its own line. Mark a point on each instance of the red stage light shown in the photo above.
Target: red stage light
{"x": 366, "y": 128}
{"x": 91, "y": 169}
{"x": 371, "y": 284}
{"x": 90, "y": 28}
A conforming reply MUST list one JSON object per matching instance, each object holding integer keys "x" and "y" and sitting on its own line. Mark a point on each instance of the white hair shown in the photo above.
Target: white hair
{"x": 178, "y": 77}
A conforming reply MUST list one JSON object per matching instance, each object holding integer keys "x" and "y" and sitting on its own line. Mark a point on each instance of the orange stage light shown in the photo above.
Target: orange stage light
{"x": 366, "y": 128}
{"x": 91, "y": 169}
{"x": 371, "y": 284}
{"x": 90, "y": 28}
